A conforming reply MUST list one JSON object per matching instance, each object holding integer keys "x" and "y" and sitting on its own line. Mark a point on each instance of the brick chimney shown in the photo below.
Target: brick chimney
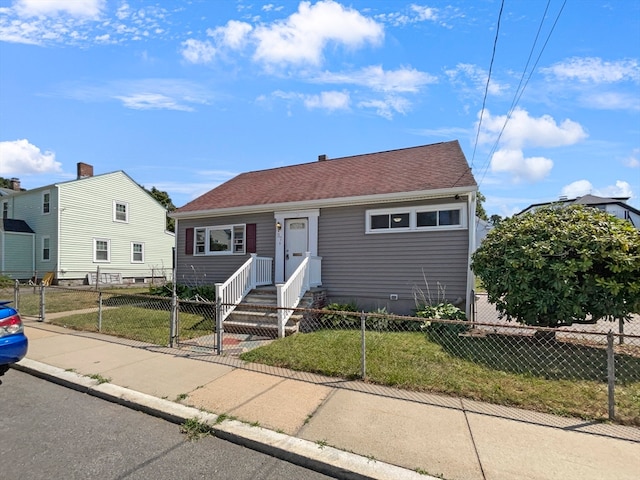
{"x": 84, "y": 170}
{"x": 322, "y": 158}
{"x": 15, "y": 184}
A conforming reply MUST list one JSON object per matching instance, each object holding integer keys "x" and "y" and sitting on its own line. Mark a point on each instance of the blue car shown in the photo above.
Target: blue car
{"x": 13, "y": 342}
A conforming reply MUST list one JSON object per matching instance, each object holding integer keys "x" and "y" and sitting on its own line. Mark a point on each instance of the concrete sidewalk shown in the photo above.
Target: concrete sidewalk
{"x": 342, "y": 428}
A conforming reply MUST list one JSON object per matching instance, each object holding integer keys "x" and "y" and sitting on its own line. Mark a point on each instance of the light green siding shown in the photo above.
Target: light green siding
{"x": 87, "y": 214}
{"x": 18, "y": 263}
{"x": 81, "y": 211}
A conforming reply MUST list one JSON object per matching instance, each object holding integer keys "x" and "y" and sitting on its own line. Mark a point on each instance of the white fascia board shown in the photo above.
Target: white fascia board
{"x": 329, "y": 202}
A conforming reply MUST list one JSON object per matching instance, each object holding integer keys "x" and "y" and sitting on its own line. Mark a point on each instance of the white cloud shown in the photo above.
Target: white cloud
{"x": 414, "y": 14}
{"x": 233, "y": 35}
{"x": 611, "y": 100}
{"x": 375, "y": 77}
{"x": 75, "y": 8}
{"x": 595, "y": 70}
{"x": 196, "y": 51}
{"x": 301, "y": 38}
{"x": 152, "y": 101}
{"x": 531, "y": 169}
{"x": 388, "y": 106}
{"x": 20, "y": 157}
{"x": 580, "y": 188}
{"x": 328, "y": 101}
{"x": 478, "y": 78}
{"x": 633, "y": 160}
{"x": 523, "y": 130}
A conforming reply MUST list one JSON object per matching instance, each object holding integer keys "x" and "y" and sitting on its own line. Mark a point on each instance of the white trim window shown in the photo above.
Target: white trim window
{"x": 137, "y": 252}
{"x": 120, "y": 212}
{"x": 220, "y": 240}
{"x": 101, "y": 250}
{"x": 46, "y": 248}
{"x": 416, "y": 219}
{"x": 46, "y": 202}
{"x": 5, "y": 209}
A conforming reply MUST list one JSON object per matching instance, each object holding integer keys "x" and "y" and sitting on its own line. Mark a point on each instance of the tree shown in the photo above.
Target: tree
{"x": 480, "y": 211}
{"x": 558, "y": 266}
{"x": 495, "y": 219}
{"x": 5, "y": 182}
{"x": 165, "y": 200}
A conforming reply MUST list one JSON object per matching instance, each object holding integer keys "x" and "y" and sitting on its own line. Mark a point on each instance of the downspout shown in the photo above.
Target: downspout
{"x": 471, "y": 204}
{"x": 58, "y": 228}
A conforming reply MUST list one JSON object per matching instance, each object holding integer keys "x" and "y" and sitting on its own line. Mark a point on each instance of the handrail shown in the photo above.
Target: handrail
{"x": 290, "y": 293}
{"x": 254, "y": 272}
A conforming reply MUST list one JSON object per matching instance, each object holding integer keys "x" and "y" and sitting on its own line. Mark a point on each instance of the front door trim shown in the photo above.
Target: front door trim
{"x": 280, "y": 217}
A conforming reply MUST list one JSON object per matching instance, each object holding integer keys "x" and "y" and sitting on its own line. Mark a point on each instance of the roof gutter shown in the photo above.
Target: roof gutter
{"x": 328, "y": 202}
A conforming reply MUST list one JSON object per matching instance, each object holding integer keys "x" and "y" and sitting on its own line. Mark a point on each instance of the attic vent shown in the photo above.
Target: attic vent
{"x": 322, "y": 158}
{"x": 563, "y": 198}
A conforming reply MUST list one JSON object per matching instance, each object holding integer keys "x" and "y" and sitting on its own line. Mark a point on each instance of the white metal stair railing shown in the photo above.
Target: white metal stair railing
{"x": 290, "y": 293}
{"x": 253, "y": 273}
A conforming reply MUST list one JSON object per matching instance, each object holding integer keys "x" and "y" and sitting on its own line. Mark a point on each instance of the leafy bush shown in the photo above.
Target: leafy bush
{"x": 558, "y": 266}
{"x": 444, "y": 311}
{"x": 337, "y": 319}
{"x": 184, "y": 292}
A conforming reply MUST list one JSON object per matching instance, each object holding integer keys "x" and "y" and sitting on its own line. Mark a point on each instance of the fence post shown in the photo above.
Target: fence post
{"x": 100, "y": 311}
{"x": 363, "y": 365}
{"x": 16, "y": 295}
{"x": 611, "y": 376}
{"x": 42, "y": 306}
{"x": 173, "y": 318}
{"x": 219, "y": 327}
{"x": 97, "y": 277}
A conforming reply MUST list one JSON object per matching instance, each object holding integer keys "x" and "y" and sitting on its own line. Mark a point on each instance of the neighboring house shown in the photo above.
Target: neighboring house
{"x": 617, "y": 206}
{"x": 105, "y": 223}
{"x": 375, "y": 228}
{"x": 482, "y": 229}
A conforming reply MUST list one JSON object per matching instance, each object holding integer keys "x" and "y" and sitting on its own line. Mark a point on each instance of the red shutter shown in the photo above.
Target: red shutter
{"x": 251, "y": 238}
{"x": 188, "y": 241}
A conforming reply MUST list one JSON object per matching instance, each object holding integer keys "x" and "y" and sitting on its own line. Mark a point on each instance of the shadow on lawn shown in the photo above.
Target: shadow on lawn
{"x": 550, "y": 359}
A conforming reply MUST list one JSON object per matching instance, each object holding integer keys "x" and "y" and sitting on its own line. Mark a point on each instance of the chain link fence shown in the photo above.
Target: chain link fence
{"x": 585, "y": 371}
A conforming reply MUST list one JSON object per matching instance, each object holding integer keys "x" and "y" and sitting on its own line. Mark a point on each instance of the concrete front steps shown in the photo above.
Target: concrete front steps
{"x": 258, "y": 315}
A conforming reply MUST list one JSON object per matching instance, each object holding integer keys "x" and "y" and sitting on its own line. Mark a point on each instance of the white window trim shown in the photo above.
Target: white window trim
{"x": 45, "y": 237}
{"x": 95, "y": 241}
{"x": 45, "y": 192}
{"x": 132, "y": 252}
{"x": 115, "y": 211}
{"x": 413, "y": 211}
{"x": 5, "y": 209}
{"x": 207, "y": 231}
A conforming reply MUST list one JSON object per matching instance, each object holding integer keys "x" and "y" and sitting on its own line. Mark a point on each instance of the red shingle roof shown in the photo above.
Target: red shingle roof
{"x": 428, "y": 167}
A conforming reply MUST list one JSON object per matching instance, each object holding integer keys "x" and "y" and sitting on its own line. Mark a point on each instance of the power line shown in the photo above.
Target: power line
{"x": 519, "y": 92}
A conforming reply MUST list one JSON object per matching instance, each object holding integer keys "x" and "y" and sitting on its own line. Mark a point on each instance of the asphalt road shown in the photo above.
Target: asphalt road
{"x": 49, "y": 432}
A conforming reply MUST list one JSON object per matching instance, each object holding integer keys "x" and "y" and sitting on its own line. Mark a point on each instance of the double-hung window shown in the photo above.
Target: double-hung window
{"x": 220, "y": 240}
{"x": 137, "y": 252}
{"x": 46, "y": 248}
{"x": 415, "y": 219}
{"x": 120, "y": 212}
{"x": 46, "y": 202}
{"x": 101, "y": 250}
{"x": 5, "y": 209}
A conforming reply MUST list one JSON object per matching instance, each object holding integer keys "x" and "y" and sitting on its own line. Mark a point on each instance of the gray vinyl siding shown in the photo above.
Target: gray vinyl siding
{"x": 368, "y": 268}
{"x": 196, "y": 270}
{"x": 19, "y": 263}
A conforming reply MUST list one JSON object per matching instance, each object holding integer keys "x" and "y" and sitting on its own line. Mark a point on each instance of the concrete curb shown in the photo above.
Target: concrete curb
{"x": 324, "y": 459}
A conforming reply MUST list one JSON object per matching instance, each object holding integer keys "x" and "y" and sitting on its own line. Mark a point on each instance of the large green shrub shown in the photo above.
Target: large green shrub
{"x": 558, "y": 266}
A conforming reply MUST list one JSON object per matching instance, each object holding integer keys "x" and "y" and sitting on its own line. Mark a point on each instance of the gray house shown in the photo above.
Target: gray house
{"x": 369, "y": 228}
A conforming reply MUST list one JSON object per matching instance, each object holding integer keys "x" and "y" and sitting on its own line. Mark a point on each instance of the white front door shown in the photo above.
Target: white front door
{"x": 296, "y": 243}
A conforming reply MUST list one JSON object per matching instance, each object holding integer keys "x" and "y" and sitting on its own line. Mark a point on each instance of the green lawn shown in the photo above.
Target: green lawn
{"x": 138, "y": 323}
{"x": 467, "y": 367}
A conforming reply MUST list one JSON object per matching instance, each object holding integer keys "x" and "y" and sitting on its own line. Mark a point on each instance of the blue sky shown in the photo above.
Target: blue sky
{"x": 183, "y": 95}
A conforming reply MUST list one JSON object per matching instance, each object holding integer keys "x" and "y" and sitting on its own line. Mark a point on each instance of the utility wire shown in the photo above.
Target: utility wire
{"x": 519, "y": 92}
